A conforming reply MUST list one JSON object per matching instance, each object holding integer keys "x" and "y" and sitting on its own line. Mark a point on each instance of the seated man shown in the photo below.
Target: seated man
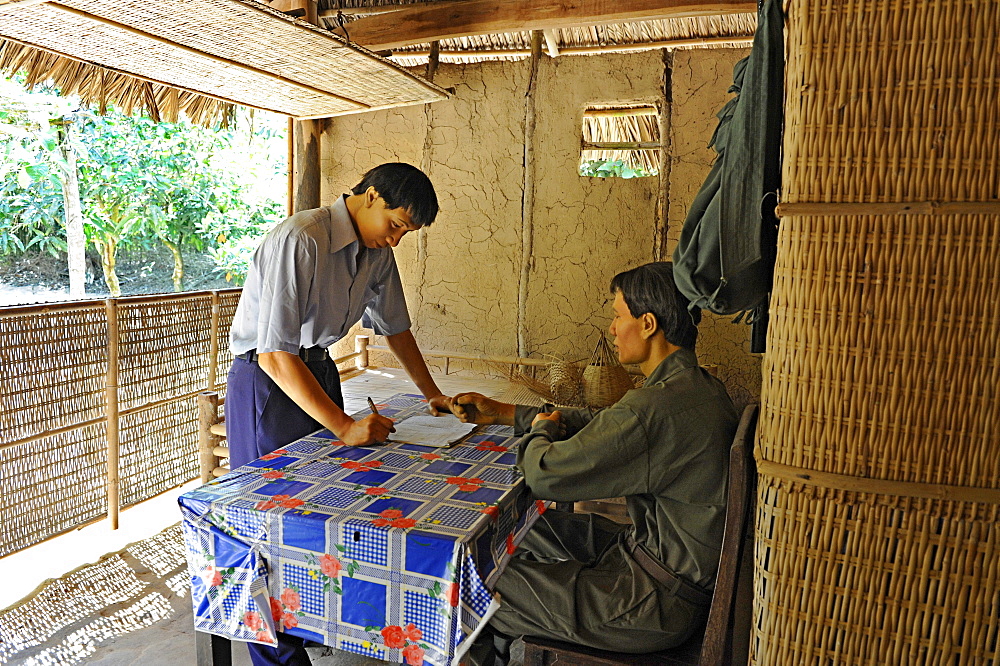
{"x": 585, "y": 579}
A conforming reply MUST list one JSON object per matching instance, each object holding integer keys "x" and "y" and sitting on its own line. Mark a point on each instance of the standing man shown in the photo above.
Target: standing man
{"x": 582, "y": 578}
{"x": 312, "y": 278}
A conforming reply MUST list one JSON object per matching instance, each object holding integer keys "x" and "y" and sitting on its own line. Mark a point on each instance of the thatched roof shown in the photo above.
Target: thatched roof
{"x": 201, "y": 56}
{"x": 229, "y": 51}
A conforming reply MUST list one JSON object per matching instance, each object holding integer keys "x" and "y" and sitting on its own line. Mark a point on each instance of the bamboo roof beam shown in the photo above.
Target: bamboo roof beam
{"x": 428, "y": 22}
{"x": 581, "y": 50}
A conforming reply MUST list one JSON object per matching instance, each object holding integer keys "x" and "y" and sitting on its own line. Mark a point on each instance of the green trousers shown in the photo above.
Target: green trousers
{"x": 572, "y": 579}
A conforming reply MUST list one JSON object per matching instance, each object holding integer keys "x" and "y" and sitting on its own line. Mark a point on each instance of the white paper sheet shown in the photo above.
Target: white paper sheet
{"x": 431, "y": 430}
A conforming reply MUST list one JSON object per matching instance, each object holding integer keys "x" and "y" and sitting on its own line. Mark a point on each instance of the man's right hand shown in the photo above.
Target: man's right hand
{"x": 477, "y": 408}
{"x": 369, "y": 430}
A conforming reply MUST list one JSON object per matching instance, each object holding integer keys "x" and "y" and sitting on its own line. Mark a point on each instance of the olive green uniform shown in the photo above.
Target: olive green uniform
{"x": 665, "y": 448}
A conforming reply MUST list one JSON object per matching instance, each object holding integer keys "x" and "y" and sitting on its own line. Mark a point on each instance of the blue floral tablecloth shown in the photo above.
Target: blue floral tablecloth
{"x": 387, "y": 551}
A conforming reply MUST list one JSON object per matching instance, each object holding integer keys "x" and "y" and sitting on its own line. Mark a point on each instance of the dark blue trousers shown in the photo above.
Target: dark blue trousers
{"x": 259, "y": 419}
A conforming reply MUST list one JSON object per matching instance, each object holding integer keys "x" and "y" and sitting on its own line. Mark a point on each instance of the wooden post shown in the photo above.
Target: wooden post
{"x": 213, "y": 342}
{"x": 208, "y": 414}
{"x": 304, "y": 165}
{"x": 528, "y": 198}
{"x": 111, "y": 411}
{"x": 361, "y": 347}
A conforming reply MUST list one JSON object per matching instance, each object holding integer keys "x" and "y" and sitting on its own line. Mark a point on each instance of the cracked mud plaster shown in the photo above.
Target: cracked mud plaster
{"x": 584, "y": 230}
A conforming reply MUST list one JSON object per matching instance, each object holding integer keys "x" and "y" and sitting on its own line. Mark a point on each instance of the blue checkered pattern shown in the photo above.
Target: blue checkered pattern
{"x": 499, "y": 475}
{"x": 419, "y": 485}
{"x": 336, "y": 497}
{"x": 399, "y": 461}
{"x": 424, "y": 611}
{"x": 366, "y": 542}
{"x": 310, "y": 589}
{"x": 454, "y": 516}
{"x": 428, "y": 530}
{"x": 319, "y": 469}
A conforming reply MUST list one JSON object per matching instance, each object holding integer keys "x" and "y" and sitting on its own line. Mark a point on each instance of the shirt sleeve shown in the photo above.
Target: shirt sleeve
{"x": 607, "y": 457}
{"x": 286, "y": 268}
{"x": 387, "y": 313}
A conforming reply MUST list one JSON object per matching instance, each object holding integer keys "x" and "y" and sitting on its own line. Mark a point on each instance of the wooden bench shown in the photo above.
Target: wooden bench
{"x": 726, "y": 637}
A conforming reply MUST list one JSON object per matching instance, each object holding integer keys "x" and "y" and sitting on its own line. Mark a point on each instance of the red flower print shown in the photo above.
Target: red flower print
{"x": 350, "y": 464}
{"x": 253, "y": 621}
{"x": 491, "y": 447}
{"x": 375, "y": 491}
{"x": 280, "y": 498}
{"x": 292, "y": 502}
{"x": 374, "y": 463}
{"x": 263, "y": 505}
{"x": 275, "y": 609}
{"x": 403, "y": 523}
{"x": 468, "y": 487}
{"x": 541, "y": 505}
{"x": 430, "y": 456}
{"x": 213, "y": 577}
{"x": 379, "y": 522}
{"x": 412, "y": 633}
{"x": 273, "y": 474}
{"x": 330, "y": 566}
{"x": 414, "y": 655}
{"x": 510, "y": 544}
{"x": 279, "y": 452}
{"x": 393, "y": 637}
{"x": 289, "y": 620}
{"x": 453, "y": 595}
{"x": 455, "y": 480}
{"x": 263, "y": 636}
{"x": 391, "y": 514}
{"x": 290, "y": 599}
{"x": 492, "y": 511}
{"x": 269, "y": 456}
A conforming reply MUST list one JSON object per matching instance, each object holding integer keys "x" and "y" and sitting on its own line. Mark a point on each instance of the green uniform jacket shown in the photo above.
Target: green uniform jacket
{"x": 664, "y": 447}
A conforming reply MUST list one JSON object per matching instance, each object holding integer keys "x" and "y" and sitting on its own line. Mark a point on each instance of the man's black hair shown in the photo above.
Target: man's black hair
{"x": 650, "y": 288}
{"x": 403, "y": 186}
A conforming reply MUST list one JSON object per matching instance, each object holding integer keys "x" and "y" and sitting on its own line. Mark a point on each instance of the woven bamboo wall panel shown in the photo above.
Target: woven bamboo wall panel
{"x": 893, "y": 100}
{"x": 905, "y": 582}
{"x": 228, "y": 300}
{"x": 163, "y": 348}
{"x": 52, "y": 368}
{"x": 884, "y": 358}
{"x": 879, "y": 451}
{"x": 51, "y": 485}
{"x": 159, "y": 450}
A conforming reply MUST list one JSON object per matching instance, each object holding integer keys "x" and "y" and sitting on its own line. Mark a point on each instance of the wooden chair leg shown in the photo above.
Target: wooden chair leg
{"x": 213, "y": 650}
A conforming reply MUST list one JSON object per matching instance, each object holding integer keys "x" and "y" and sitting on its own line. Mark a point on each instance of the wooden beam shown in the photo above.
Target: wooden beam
{"x": 585, "y": 50}
{"x": 427, "y": 22}
{"x": 551, "y": 42}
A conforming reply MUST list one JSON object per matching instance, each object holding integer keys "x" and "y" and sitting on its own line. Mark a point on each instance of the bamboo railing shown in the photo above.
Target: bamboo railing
{"x": 98, "y": 408}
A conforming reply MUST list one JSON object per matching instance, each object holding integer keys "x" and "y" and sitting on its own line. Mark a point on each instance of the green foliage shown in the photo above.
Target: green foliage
{"x": 612, "y": 169}
{"x": 141, "y": 182}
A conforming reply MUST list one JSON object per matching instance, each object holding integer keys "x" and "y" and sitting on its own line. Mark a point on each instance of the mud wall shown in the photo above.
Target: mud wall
{"x": 520, "y": 257}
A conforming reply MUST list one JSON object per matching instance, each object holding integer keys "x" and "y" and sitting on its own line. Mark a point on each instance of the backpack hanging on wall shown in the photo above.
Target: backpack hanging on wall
{"x": 724, "y": 261}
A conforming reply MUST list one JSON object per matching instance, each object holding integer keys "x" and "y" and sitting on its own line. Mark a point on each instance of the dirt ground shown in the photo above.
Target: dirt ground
{"x": 35, "y": 278}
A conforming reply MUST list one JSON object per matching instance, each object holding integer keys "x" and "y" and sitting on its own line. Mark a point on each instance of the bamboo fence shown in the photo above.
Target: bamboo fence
{"x": 99, "y": 405}
{"x": 879, "y": 453}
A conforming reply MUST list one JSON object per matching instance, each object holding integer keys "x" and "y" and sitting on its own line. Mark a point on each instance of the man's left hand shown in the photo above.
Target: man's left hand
{"x": 547, "y": 416}
{"x": 439, "y": 405}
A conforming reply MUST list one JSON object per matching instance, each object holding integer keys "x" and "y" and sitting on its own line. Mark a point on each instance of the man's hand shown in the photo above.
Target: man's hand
{"x": 439, "y": 404}
{"x": 477, "y": 408}
{"x": 369, "y": 430}
{"x": 547, "y": 416}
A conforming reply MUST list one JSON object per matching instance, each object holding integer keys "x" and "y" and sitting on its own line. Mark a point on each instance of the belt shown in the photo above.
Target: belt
{"x": 307, "y": 354}
{"x": 681, "y": 588}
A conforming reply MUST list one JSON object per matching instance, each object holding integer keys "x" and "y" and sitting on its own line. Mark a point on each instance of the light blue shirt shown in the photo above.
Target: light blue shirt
{"x": 308, "y": 285}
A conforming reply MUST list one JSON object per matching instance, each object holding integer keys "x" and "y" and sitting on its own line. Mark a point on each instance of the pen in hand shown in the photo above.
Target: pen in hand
{"x": 371, "y": 406}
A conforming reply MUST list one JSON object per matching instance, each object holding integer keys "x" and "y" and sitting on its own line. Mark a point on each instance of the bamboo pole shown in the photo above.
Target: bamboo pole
{"x": 528, "y": 196}
{"x": 213, "y": 342}
{"x": 361, "y": 349}
{"x": 583, "y": 50}
{"x": 208, "y": 414}
{"x": 111, "y": 412}
{"x": 890, "y": 208}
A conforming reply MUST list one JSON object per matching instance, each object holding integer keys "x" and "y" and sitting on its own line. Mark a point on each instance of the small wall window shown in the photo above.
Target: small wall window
{"x": 620, "y": 141}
